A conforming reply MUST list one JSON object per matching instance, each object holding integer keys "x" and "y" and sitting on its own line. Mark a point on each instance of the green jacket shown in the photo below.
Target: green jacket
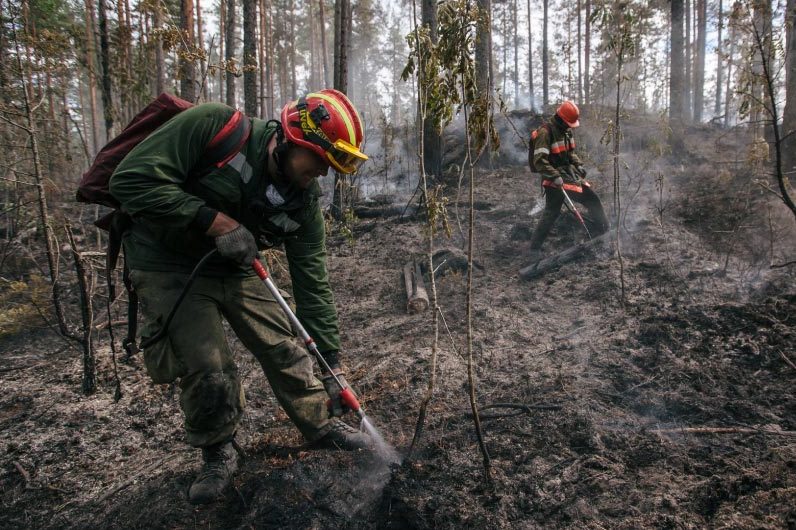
{"x": 553, "y": 148}
{"x": 160, "y": 186}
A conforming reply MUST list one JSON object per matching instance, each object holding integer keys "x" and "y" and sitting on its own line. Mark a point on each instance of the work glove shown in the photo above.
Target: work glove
{"x": 558, "y": 182}
{"x": 581, "y": 171}
{"x": 238, "y": 245}
{"x": 336, "y": 407}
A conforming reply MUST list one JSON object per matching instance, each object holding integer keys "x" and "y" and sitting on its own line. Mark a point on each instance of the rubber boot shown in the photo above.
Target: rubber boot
{"x": 343, "y": 436}
{"x": 220, "y": 463}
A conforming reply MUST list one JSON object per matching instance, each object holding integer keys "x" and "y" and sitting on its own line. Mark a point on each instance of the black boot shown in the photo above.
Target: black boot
{"x": 220, "y": 463}
{"x": 343, "y": 436}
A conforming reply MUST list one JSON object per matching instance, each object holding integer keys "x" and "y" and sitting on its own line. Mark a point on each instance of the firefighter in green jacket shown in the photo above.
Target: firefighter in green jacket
{"x": 553, "y": 155}
{"x": 266, "y": 195}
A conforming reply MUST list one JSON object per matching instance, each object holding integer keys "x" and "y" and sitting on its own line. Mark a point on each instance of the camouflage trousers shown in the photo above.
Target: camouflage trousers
{"x": 195, "y": 352}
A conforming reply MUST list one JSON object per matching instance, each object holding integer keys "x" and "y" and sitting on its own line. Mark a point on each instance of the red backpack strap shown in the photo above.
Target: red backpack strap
{"x": 229, "y": 140}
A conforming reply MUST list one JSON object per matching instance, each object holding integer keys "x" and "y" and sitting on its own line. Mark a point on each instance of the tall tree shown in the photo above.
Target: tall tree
{"x": 688, "y": 86}
{"x": 545, "y": 57}
{"x": 200, "y": 42}
{"x": 483, "y": 49}
{"x": 187, "y": 69}
{"x": 699, "y": 67}
{"x": 789, "y": 115}
{"x": 105, "y": 61}
{"x": 92, "y": 75}
{"x": 250, "y": 57}
{"x": 160, "y": 61}
{"x": 587, "y": 56}
{"x": 229, "y": 62}
{"x": 530, "y": 57}
{"x": 342, "y": 13}
{"x": 736, "y": 8}
{"x": 516, "y": 77}
{"x": 580, "y": 69}
{"x": 292, "y": 34}
{"x": 676, "y": 79}
{"x": 719, "y": 59}
{"x": 324, "y": 50}
{"x": 432, "y": 139}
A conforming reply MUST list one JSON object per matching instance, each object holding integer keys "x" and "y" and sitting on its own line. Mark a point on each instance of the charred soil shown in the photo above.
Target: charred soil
{"x": 672, "y": 409}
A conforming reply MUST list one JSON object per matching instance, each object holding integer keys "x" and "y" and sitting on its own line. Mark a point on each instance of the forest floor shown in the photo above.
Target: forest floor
{"x": 677, "y": 409}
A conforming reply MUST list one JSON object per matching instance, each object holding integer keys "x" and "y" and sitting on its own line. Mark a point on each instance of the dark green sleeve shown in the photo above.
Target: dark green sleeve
{"x": 148, "y": 182}
{"x": 541, "y": 154}
{"x": 306, "y": 255}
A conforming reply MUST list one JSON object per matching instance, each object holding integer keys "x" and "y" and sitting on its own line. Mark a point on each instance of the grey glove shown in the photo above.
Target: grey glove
{"x": 336, "y": 407}
{"x": 558, "y": 182}
{"x": 237, "y": 244}
{"x": 581, "y": 171}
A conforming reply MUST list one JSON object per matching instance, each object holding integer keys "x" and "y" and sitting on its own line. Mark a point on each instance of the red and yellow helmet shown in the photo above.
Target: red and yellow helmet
{"x": 569, "y": 112}
{"x": 327, "y": 123}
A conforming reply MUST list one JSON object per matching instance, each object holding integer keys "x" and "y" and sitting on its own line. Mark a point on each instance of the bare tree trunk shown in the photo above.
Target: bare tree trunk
{"x": 324, "y": 50}
{"x": 92, "y": 75}
{"x": 530, "y": 58}
{"x": 580, "y": 71}
{"x": 699, "y": 69}
{"x": 789, "y": 115}
{"x": 687, "y": 85}
{"x": 545, "y": 56}
{"x": 483, "y": 49}
{"x": 421, "y": 101}
{"x": 269, "y": 46}
{"x": 187, "y": 68}
{"x": 85, "y": 282}
{"x": 230, "y": 56}
{"x": 44, "y": 213}
{"x": 730, "y": 58}
{"x": 263, "y": 60}
{"x": 107, "y": 96}
{"x": 764, "y": 47}
{"x": 125, "y": 54}
{"x": 201, "y": 44}
{"x": 432, "y": 139}
{"x": 313, "y": 78}
{"x": 160, "y": 61}
{"x": 342, "y": 12}
{"x": 516, "y": 76}
{"x": 222, "y": 31}
{"x": 587, "y": 56}
{"x": 292, "y": 17}
{"x": 504, "y": 36}
{"x": 249, "y": 57}
{"x": 676, "y": 83}
{"x": 719, "y": 60}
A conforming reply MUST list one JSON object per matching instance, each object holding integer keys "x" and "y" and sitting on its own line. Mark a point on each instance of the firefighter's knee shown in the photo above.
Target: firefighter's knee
{"x": 211, "y": 401}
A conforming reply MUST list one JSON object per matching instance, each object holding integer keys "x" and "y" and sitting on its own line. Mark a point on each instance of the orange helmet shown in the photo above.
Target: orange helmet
{"x": 327, "y": 123}
{"x": 569, "y": 112}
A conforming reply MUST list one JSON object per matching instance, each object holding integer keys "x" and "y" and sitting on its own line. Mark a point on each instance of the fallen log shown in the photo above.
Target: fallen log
{"x": 416, "y": 294}
{"x": 553, "y": 262}
{"x": 375, "y": 212}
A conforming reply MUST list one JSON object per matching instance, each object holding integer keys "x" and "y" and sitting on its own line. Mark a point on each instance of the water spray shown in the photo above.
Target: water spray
{"x": 347, "y": 396}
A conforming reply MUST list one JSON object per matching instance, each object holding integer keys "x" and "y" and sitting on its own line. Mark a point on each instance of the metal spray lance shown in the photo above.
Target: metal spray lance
{"x": 346, "y": 394}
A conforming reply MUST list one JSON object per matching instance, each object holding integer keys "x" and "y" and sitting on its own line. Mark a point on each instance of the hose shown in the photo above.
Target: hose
{"x": 194, "y": 273}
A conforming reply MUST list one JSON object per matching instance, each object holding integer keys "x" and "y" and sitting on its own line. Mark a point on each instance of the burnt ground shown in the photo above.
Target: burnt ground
{"x": 677, "y": 410}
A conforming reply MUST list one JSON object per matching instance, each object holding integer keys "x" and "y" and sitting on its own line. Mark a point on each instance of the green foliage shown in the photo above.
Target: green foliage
{"x": 447, "y": 73}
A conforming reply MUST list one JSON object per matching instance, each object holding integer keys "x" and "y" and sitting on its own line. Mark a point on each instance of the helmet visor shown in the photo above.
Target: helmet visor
{"x": 345, "y": 157}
